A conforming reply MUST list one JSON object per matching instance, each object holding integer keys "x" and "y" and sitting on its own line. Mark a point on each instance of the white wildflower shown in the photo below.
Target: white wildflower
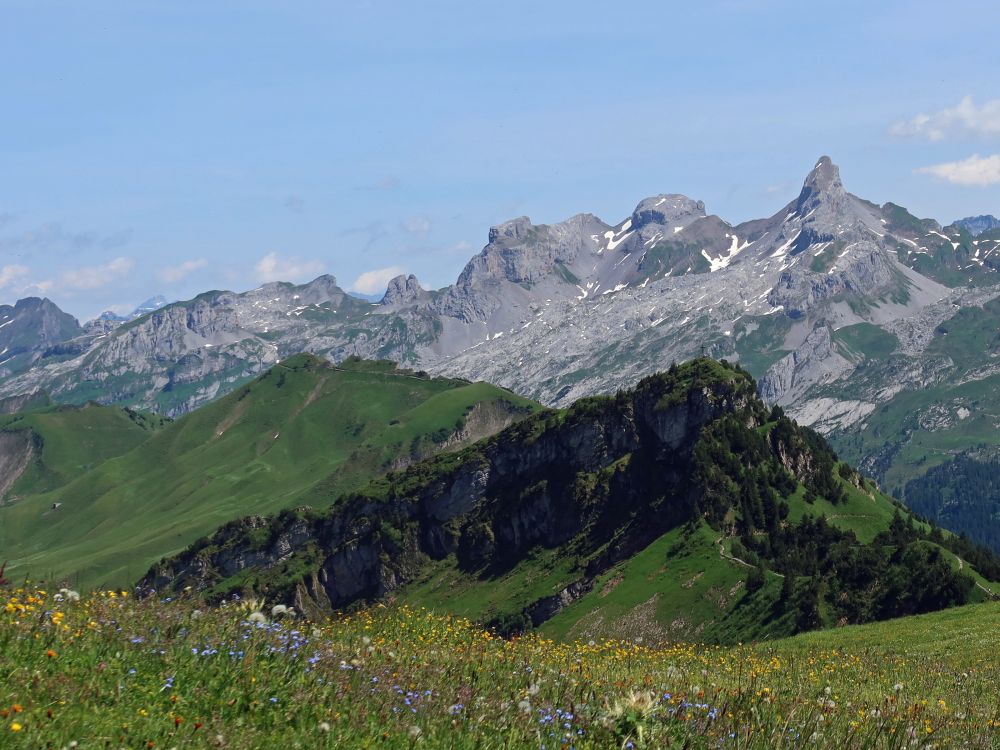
{"x": 257, "y": 617}
{"x": 324, "y": 726}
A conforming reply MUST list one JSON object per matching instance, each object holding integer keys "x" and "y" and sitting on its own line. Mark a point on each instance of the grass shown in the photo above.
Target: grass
{"x": 113, "y": 671}
{"x": 303, "y": 432}
{"x": 679, "y": 587}
{"x": 865, "y": 340}
{"x": 676, "y": 589}
{"x": 75, "y": 439}
{"x": 760, "y": 342}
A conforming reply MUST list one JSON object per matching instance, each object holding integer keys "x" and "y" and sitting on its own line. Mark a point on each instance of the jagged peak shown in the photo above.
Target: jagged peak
{"x": 513, "y": 229}
{"x": 822, "y": 180}
{"x": 402, "y": 289}
{"x": 325, "y": 280}
{"x": 667, "y": 208}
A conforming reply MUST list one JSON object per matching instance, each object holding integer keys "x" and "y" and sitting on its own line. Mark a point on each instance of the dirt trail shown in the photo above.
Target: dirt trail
{"x": 989, "y": 593}
{"x": 726, "y": 556}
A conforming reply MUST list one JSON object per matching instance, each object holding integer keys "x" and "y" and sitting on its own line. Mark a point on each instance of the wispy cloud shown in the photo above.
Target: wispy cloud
{"x": 976, "y": 170}
{"x": 963, "y": 119}
{"x": 94, "y": 277}
{"x": 374, "y": 281}
{"x": 53, "y": 235}
{"x": 10, "y": 274}
{"x": 295, "y": 203}
{"x": 173, "y": 274}
{"x": 273, "y": 267}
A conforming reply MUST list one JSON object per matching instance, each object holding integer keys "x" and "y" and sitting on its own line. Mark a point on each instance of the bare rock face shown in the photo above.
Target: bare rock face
{"x": 669, "y": 210}
{"x": 30, "y": 328}
{"x": 403, "y": 290}
{"x": 17, "y": 449}
{"x": 792, "y": 375}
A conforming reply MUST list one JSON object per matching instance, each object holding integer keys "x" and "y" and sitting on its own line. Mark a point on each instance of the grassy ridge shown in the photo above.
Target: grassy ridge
{"x": 74, "y": 439}
{"x": 166, "y": 674}
{"x": 304, "y": 431}
{"x": 561, "y": 523}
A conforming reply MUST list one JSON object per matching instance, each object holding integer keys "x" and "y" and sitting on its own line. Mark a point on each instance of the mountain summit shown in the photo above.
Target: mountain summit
{"x": 822, "y": 301}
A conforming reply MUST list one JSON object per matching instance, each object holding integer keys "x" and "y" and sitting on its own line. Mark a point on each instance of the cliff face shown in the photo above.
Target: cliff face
{"x": 608, "y": 476}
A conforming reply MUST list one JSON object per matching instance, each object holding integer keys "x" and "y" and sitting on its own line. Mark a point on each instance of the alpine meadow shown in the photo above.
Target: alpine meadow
{"x": 311, "y": 437}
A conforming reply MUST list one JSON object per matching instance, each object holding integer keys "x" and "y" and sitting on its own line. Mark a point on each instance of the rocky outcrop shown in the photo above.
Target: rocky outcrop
{"x": 17, "y": 449}
{"x": 403, "y": 290}
{"x": 492, "y": 502}
{"x": 795, "y": 372}
{"x": 977, "y": 225}
{"x": 24, "y": 402}
{"x": 28, "y": 329}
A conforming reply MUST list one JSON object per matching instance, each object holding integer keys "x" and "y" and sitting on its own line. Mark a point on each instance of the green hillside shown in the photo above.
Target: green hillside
{"x": 681, "y": 510}
{"x": 48, "y": 447}
{"x": 303, "y": 429}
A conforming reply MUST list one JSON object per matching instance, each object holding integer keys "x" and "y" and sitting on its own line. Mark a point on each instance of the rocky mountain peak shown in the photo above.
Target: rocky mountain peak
{"x": 403, "y": 289}
{"x": 514, "y": 229}
{"x": 977, "y": 225}
{"x": 667, "y": 209}
{"x": 150, "y": 305}
{"x": 822, "y": 185}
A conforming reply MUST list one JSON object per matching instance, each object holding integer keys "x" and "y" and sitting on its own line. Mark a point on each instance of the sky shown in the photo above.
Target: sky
{"x": 172, "y": 147}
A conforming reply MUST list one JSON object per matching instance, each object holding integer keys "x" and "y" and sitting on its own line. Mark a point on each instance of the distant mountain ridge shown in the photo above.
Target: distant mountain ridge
{"x": 977, "y": 225}
{"x": 852, "y": 315}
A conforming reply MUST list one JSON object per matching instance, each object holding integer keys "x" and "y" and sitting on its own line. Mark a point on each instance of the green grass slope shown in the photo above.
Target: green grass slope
{"x": 304, "y": 428}
{"x": 68, "y": 441}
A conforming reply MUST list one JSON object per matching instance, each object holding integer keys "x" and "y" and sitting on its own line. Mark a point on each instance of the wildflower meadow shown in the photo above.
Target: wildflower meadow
{"x": 113, "y": 671}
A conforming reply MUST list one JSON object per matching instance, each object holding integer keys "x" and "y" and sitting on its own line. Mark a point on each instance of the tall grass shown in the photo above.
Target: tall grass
{"x": 111, "y": 671}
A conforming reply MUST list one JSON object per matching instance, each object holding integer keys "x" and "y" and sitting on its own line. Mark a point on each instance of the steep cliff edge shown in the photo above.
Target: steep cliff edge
{"x": 691, "y": 451}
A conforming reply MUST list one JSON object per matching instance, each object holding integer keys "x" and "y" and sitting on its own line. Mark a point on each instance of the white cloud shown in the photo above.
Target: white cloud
{"x": 10, "y": 274}
{"x": 273, "y": 267}
{"x": 419, "y": 225}
{"x": 173, "y": 274}
{"x": 42, "y": 287}
{"x": 976, "y": 170}
{"x": 375, "y": 281}
{"x": 95, "y": 277}
{"x": 964, "y": 118}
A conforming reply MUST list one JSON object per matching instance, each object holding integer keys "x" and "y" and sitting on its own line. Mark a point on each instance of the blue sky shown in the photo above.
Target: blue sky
{"x": 172, "y": 147}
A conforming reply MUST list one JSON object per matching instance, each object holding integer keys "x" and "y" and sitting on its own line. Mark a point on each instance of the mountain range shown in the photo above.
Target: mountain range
{"x": 874, "y": 326}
